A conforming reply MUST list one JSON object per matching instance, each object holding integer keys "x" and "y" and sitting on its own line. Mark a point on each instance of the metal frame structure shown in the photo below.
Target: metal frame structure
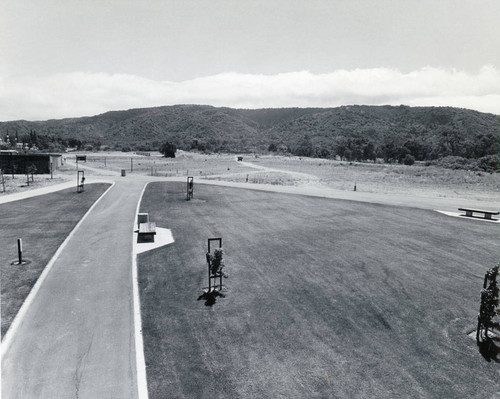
{"x": 216, "y": 275}
{"x": 80, "y": 188}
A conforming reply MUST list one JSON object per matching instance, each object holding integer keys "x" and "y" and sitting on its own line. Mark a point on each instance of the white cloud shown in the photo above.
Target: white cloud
{"x": 78, "y": 93}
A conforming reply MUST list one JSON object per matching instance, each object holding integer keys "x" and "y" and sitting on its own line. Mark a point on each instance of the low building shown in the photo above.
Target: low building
{"x": 12, "y": 162}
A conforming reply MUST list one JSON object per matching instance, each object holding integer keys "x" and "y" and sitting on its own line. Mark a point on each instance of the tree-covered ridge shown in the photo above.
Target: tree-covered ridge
{"x": 394, "y": 133}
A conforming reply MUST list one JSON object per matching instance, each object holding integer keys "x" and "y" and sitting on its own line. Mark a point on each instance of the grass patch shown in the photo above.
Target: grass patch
{"x": 325, "y": 298}
{"x": 43, "y": 223}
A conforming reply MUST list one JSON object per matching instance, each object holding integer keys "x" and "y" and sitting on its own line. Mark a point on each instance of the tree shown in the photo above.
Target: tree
{"x": 304, "y": 147}
{"x": 369, "y": 151}
{"x": 168, "y": 150}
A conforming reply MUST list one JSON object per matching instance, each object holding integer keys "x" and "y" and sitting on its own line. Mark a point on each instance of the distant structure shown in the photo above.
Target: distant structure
{"x": 13, "y": 162}
{"x": 240, "y": 159}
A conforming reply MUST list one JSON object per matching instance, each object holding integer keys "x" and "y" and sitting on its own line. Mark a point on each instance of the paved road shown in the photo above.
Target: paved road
{"x": 77, "y": 338}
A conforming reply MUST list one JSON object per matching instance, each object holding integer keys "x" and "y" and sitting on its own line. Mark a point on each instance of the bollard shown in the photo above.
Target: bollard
{"x": 20, "y": 250}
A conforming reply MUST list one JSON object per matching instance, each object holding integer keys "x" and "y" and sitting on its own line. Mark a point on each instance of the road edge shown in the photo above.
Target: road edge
{"x": 140, "y": 364}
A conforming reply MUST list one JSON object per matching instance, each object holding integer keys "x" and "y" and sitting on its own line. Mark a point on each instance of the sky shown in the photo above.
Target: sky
{"x": 75, "y": 58}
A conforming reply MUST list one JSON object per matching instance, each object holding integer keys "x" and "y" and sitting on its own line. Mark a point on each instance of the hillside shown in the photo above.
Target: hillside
{"x": 352, "y": 132}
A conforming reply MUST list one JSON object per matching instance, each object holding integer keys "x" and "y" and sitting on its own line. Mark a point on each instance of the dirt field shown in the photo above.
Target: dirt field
{"x": 325, "y": 298}
{"x": 380, "y": 179}
{"x": 388, "y": 178}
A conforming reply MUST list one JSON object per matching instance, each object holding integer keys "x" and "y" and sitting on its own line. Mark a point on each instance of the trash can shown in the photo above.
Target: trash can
{"x": 124, "y": 173}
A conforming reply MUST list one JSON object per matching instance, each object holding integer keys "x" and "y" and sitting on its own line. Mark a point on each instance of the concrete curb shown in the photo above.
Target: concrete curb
{"x": 142, "y": 383}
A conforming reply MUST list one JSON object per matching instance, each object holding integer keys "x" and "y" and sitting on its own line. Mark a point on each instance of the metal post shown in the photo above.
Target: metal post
{"x": 209, "y": 279}
{"x": 51, "y": 168}
{"x": 20, "y": 250}
{"x": 131, "y": 165}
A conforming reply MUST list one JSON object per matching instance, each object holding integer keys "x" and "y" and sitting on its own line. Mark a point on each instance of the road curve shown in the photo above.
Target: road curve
{"x": 76, "y": 340}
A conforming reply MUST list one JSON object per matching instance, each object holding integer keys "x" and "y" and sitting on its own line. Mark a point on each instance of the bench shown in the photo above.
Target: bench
{"x": 147, "y": 231}
{"x": 487, "y": 214}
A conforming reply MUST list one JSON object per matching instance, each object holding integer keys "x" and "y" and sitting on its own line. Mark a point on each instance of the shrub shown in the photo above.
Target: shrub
{"x": 409, "y": 159}
{"x": 216, "y": 262}
{"x": 488, "y": 163}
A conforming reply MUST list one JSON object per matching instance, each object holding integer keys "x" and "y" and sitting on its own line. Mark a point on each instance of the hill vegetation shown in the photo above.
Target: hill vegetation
{"x": 451, "y": 136}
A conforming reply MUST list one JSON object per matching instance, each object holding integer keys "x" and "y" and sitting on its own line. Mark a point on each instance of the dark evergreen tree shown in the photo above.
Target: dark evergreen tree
{"x": 168, "y": 150}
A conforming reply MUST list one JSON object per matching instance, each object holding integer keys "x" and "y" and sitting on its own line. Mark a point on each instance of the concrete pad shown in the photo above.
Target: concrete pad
{"x": 462, "y": 216}
{"x": 163, "y": 237}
